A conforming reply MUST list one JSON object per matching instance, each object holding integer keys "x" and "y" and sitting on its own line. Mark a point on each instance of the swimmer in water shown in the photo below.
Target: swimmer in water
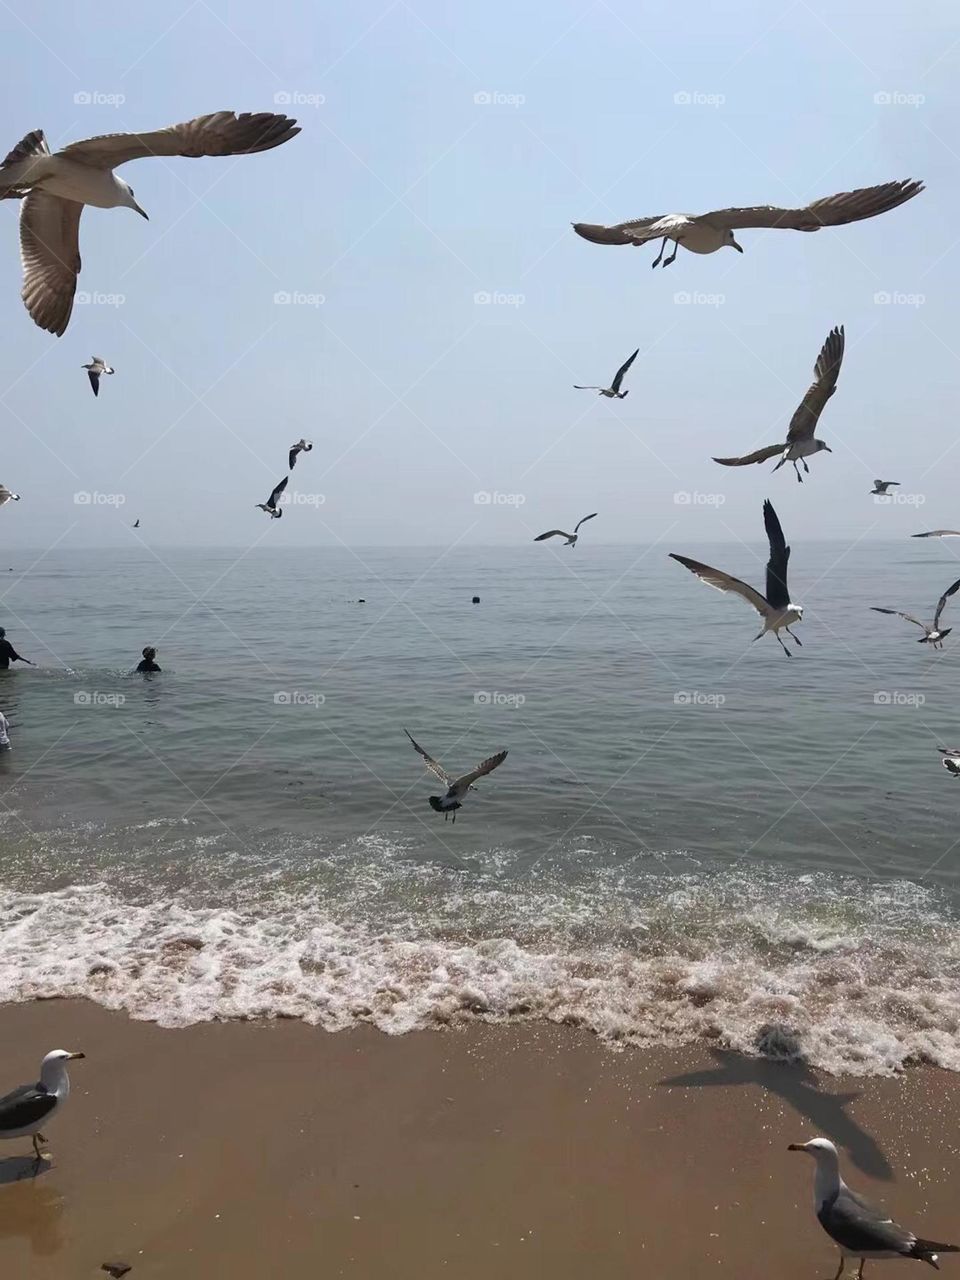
{"x": 149, "y": 662}
{"x": 9, "y": 654}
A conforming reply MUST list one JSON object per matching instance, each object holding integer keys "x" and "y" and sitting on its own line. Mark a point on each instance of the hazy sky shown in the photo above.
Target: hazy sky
{"x": 405, "y": 196}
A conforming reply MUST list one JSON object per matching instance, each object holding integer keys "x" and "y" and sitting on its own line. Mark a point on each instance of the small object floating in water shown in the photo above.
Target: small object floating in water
{"x": 116, "y": 1269}
{"x": 476, "y": 600}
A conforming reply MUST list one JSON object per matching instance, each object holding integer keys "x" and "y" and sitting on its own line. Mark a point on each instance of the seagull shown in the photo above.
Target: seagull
{"x": 613, "y": 392}
{"x": 938, "y": 533}
{"x": 23, "y": 1111}
{"x": 7, "y": 496}
{"x": 270, "y": 506}
{"x": 302, "y": 446}
{"x": 457, "y": 788}
{"x": 136, "y": 523}
{"x": 800, "y": 442}
{"x": 881, "y": 486}
{"x": 571, "y": 538}
{"x": 858, "y": 1229}
{"x": 58, "y": 185}
{"x": 932, "y": 635}
{"x": 951, "y": 759}
{"x": 94, "y": 369}
{"x": 775, "y": 608}
{"x": 708, "y": 232}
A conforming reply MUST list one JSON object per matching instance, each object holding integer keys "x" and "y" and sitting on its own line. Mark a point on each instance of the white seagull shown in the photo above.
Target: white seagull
{"x": 7, "y": 496}
{"x": 800, "y": 442}
{"x": 457, "y": 788}
{"x": 880, "y": 487}
{"x": 302, "y": 446}
{"x": 857, "y": 1228}
{"x": 932, "y": 635}
{"x": 613, "y": 392}
{"x": 58, "y": 185}
{"x": 708, "y": 232}
{"x": 28, "y": 1109}
{"x": 571, "y": 538}
{"x": 938, "y": 533}
{"x": 775, "y": 608}
{"x": 94, "y": 369}
{"x": 270, "y": 506}
{"x": 951, "y": 759}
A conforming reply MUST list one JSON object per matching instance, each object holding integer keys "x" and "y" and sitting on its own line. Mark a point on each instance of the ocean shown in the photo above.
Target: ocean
{"x": 692, "y": 838}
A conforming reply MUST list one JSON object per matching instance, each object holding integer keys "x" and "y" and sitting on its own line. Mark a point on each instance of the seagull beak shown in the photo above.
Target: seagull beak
{"x": 797, "y": 1146}
{"x": 72, "y": 1056}
{"x": 139, "y": 210}
{"x": 739, "y": 248}
{"x": 828, "y": 449}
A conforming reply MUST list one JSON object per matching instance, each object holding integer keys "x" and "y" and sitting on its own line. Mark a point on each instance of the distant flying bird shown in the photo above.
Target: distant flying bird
{"x": 302, "y": 446}
{"x": 270, "y": 506}
{"x": 7, "y": 496}
{"x": 857, "y": 1228}
{"x": 457, "y": 788}
{"x": 571, "y": 538}
{"x": 775, "y": 608}
{"x": 951, "y": 759}
{"x": 708, "y": 232}
{"x": 881, "y": 486}
{"x": 136, "y": 524}
{"x": 57, "y": 187}
{"x": 938, "y": 533}
{"x": 932, "y": 635}
{"x": 28, "y": 1108}
{"x": 94, "y": 369}
{"x": 613, "y": 392}
{"x": 800, "y": 442}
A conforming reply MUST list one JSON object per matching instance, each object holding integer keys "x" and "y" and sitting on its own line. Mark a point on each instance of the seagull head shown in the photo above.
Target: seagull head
{"x": 729, "y": 239}
{"x": 822, "y": 1149}
{"x": 128, "y": 201}
{"x": 821, "y": 446}
{"x": 797, "y": 609}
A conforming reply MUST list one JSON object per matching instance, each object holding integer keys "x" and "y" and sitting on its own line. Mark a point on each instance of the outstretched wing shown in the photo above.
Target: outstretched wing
{"x": 777, "y": 594}
{"x": 583, "y": 521}
{"x": 50, "y": 252}
{"x": 907, "y": 617}
{"x": 552, "y": 533}
{"x": 831, "y": 211}
{"x": 94, "y": 377}
{"x": 825, "y": 374}
{"x": 622, "y": 233}
{"x": 938, "y": 533}
{"x": 951, "y": 590}
{"x": 224, "y": 133}
{"x": 434, "y": 766}
{"x": 488, "y": 766}
{"x": 721, "y": 581}
{"x": 577, "y": 387}
{"x": 618, "y": 377}
{"x": 761, "y": 455}
{"x": 272, "y": 500}
{"x": 292, "y": 457}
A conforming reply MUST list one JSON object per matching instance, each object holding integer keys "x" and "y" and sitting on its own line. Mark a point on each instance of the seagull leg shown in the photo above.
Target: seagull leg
{"x": 758, "y": 636}
{"x": 656, "y": 261}
{"x": 860, "y": 1272}
{"x": 782, "y": 645}
{"x": 797, "y": 470}
{"x": 805, "y": 467}
{"x": 676, "y": 246}
{"x": 840, "y": 1268}
{"x": 793, "y": 637}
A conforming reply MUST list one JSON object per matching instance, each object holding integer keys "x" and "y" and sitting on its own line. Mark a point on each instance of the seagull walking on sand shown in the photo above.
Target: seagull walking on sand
{"x": 457, "y": 788}
{"x": 932, "y": 635}
{"x": 571, "y": 538}
{"x": 6, "y": 495}
{"x": 880, "y": 487}
{"x": 25, "y": 1110}
{"x": 302, "y": 446}
{"x": 775, "y": 608}
{"x": 800, "y": 442}
{"x": 858, "y": 1229}
{"x": 613, "y": 392}
{"x": 708, "y": 232}
{"x": 270, "y": 506}
{"x": 94, "y": 369}
{"x": 57, "y": 186}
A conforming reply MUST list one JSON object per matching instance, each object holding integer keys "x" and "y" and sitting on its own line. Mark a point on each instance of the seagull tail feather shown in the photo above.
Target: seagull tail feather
{"x": 927, "y": 1250}
{"x": 33, "y": 144}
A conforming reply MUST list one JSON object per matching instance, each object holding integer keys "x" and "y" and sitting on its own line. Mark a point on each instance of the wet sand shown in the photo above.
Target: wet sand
{"x": 250, "y": 1150}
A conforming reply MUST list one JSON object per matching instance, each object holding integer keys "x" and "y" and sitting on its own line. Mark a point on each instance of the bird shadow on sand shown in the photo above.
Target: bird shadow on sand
{"x": 16, "y": 1169}
{"x": 797, "y": 1085}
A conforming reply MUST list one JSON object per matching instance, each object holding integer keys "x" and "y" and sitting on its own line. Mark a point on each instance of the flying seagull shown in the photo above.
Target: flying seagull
{"x": 136, "y": 523}
{"x": 571, "y": 538}
{"x": 302, "y": 446}
{"x": 94, "y": 369}
{"x": 26, "y": 1109}
{"x": 938, "y": 533}
{"x": 270, "y": 506}
{"x": 800, "y": 442}
{"x": 857, "y": 1228}
{"x": 708, "y": 232}
{"x": 457, "y": 788}
{"x": 58, "y": 185}
{"x": 775, "y": 608}
{"x": 932, "y": 635}
{"x": 880, "y": 487}
{"x": 951, "y": 759}
{"x": 7, "y": 496}
{"x": 613, "y": 392}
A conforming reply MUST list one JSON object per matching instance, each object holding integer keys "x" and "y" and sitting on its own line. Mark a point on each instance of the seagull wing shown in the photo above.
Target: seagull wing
{"x": 951, "y": 590}
{"x": 50, "y": 252}
{"x": 94, "y": 376}
{"x": 721, "y": 581}
{"x": 831, "y": 211}
{"x": 908, "y": 617}
{"x": 949, "y": 751}
{"x": 885, "y": 484}
{"x": 862, "y": 1229}
{"x": 552, "y": 533}
{"x": 272, "y": 500}
{"x": 938, "y": 533}
{"x": 761, "y": 455}
{"x": 825, "y": 374}
{"x": 778, "y": 595}
{"x": 25, "y": 1106}
{"x": 622, "y": 370}
{"x": 461, "y": 784}
{"x": 224, "y": 133}
{"x": 434, "y": 766}
{"x": 577, "y": 387}
{"x": 622, "y": 233}
{"x": 292, "y": 459}
{"x": 583, "y": 521}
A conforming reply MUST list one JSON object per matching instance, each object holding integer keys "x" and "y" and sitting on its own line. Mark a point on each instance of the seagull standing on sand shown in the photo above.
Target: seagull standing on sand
{"x": 880, "y": 487}
{"x": 270, "y": 506}
{"x": 94, "y": 369}
{"x": 457, "y": 788}
{"x": 25, "y": 1110}
{"x": 932, "y": 635}
{"x": 7, "y": 496}
{"x": 800, "y": 442}
{"x": 857, "y": 1228}
{"x": 302, "y": 446}
{"x": 571, "y": 538}
{"x": 708, "y": 232}
{"x": 775, "y": 608}
{"x": 57, "y": 186}
{"x": 613, "y": 392}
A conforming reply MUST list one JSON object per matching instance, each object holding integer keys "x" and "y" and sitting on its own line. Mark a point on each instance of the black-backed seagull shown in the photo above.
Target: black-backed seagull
{"x": 938, "y": 533}
{"x": 26, "y": 1110}
{"x": 270, "y": 506}
{"x": 857, "y": 1228}
{"x": 708, "y": 232}
{"x": 457, "y": 788}
{"x": 7, "y": 495}
{"x": 881, "y": 486}
{"x": 571, "y": 538}
{"x": 613, "y": 392}
{"x": 951, "y": 759}
{"x": 94, "y": 369}
{"x": 932, "y": 635}
{"x": 58, "y": 185}
{"x": 302, "y": 446}
{"x": 775, "y": 608}
{"x": 800, "y": 442}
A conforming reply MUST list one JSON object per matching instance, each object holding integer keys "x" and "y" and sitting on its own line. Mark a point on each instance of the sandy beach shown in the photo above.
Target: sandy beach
{"x": 254, "y": 1149}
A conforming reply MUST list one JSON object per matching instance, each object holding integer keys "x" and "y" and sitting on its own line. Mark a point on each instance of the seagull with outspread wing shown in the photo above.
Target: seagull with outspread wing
{"x": 800, "y": 442}
{"x": 708, "y": 232}
{"x": 613, "y": 392}
{"x": 270, "y": 506}
{"x": 571, "y": 538}
{"x": 880, "y": 487}
{"x": 938, "y": 533}
{"x": 95, "y": 369}
{"x": 457, "y": 788}
{"x": 6, "y": 495}
{"x": 931, "y": 635}
{"x": 302, "y": 446}
{"x": 57, "y": 186}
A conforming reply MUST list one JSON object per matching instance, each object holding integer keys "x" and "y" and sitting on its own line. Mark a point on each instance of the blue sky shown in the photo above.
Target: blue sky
{"x": 404, "y": 197}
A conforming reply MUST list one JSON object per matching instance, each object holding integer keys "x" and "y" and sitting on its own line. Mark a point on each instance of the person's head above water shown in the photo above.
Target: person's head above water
{"x": 3, "y": 632}
{"x": 149, "y": 652}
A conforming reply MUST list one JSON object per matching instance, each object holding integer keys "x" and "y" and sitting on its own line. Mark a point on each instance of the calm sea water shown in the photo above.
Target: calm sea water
{"x": 692, "y": 837}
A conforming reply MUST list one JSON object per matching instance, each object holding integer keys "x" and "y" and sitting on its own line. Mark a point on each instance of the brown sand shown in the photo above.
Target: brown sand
{"x": 246, "y": 1151}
